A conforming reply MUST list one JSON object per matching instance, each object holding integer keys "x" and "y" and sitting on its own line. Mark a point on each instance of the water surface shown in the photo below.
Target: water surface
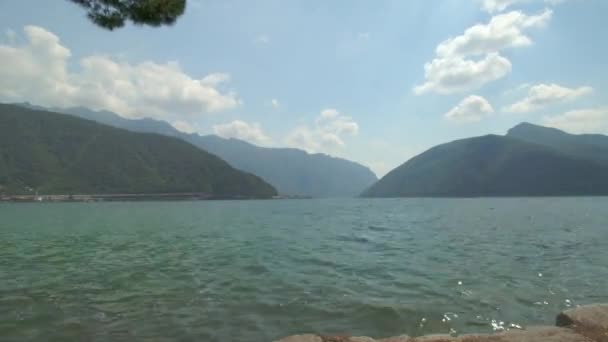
{"x": 259, "y": 270}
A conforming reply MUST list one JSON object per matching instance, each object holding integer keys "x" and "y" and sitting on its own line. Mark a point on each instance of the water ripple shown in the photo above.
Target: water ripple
{"x": 254, "y": 271}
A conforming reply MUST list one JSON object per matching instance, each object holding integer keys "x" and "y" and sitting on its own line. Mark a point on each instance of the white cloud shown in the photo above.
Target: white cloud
{"x": 262, "y": 39}
{"x": 469, "y": 61}
{"x": 471, "y": 109}
{"x": 183, "y": 126}
{"x": 327, "y": 114}
{"x": 327, "y": 135}
{"x": 543, "y": 95}
{"x": 593, "y": 120}
{"x": 456, "y": 74}
{"x": 238, "y": 129}
{"x": 501, "y": 5}
{"x": 503, "y": 31}
{"x": 37, "y": 71}
{"x": 215, "y": 79}
{"x": 275, "y": 103}
{"x": 379, "y": 167}
{"x": 497, "y": 5}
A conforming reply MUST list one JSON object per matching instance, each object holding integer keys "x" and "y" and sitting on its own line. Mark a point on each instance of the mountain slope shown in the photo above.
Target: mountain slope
{"x": 57, "y": 153}
{"x": 590, "y": 146}
{"x": 291, "y": 171}
{"x": 493, "y": 166}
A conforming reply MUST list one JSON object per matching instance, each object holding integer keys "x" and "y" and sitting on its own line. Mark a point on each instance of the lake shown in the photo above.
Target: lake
{"x": 260, "y": 270}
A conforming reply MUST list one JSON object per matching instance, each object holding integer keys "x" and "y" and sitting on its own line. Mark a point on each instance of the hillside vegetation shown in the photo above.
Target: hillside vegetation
{"x": 494, "y": 165}
{"x": 59, "y": 154}
{"x": 291, "y": 171}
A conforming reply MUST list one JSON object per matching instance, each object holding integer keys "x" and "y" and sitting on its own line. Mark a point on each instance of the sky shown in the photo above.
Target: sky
{"x": 374, "y": 81}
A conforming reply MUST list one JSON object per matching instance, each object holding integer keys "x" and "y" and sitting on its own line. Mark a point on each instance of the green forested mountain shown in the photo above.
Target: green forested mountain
{"x": 290, "y": 171}
{"x": 493, "y": 166}
{"x": 590, "y": 146}
{"x": 61, "y": 154}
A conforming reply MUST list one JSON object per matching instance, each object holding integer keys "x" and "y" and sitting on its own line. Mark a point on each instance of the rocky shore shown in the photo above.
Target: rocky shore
{"x": 582, "y": 324}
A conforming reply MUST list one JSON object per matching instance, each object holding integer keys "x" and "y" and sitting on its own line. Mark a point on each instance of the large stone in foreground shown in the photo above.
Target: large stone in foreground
{"x": 535, "y": 334}
{"x": 583, "y": 324}
{"x": 302, "y": 338}
{"x": 589, "y": 320}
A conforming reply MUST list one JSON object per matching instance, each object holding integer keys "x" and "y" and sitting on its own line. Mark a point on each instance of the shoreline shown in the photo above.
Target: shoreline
{"x": 587, "y": 323}
{"x": 177, "y": 197}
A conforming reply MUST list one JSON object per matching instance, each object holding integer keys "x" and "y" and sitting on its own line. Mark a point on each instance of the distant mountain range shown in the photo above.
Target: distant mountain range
{"x": 55, "y": 153}
{"x": 59, "y": 153}
{"x": 291, "y": 171}
{"x": 530, "y": 160}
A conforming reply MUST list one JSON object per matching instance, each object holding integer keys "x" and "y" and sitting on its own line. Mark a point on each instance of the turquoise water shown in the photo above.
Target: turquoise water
{"x": 259, "y": 270}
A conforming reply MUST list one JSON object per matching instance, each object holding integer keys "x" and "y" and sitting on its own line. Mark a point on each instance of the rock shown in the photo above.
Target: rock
{"x": 583, "y": 324}
{"x": 588, "y": 320}
{"x": 433, "y": 338}
{"x": 402, "y": 338}
{"x": 335, "y": 338}
{"x": 302, "y": 338}
{"x": 533, "y": 334}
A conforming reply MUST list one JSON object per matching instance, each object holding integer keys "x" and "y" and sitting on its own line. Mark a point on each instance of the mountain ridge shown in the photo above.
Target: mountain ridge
{"x": 291, "y": 171}
{"x": 59, "y": 154}
{"x": 493, "y": 165}
{"x": 593, "y": 146}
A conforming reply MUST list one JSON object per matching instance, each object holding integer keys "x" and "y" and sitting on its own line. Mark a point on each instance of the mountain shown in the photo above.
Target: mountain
{"x": 590, "y": 146}
{"x": 493, "y": 165}
{"x": 290, "y": 171}
{"x": 61, "y": 154}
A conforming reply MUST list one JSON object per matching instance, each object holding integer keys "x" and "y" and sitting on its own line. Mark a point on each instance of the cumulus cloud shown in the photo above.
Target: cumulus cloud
{"x": 215, "y": 79}
{"x": 183, "y": 126}
{"x": 470, "y": 60}
{"x": 456, "y": 74}
{"x": 471, "y": 109}
{"x": 592, "y": 120}
{"x": 503, "y": 31}
{"x": 327, "y": 134}
{"x": 501, "y": 5}
{"x": 328, "y": 114}
{"x": 543, "y": 95}
{"x": 497, "y": 5}
{"x": 238, "y": 129}
{"x": 37, "y": 71}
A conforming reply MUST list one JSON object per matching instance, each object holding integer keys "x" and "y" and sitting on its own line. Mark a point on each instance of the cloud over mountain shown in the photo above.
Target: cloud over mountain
{"x": 38, "y": 70}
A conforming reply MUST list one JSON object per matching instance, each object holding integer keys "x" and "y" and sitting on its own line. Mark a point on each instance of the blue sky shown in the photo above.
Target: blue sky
{"x": 344, "y": 77}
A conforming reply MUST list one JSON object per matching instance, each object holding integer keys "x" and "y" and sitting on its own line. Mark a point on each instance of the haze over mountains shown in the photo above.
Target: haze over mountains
{"x": 291, "y": 171}
{"x": 55, "y": 153}
{"x": 529, "y": 161}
